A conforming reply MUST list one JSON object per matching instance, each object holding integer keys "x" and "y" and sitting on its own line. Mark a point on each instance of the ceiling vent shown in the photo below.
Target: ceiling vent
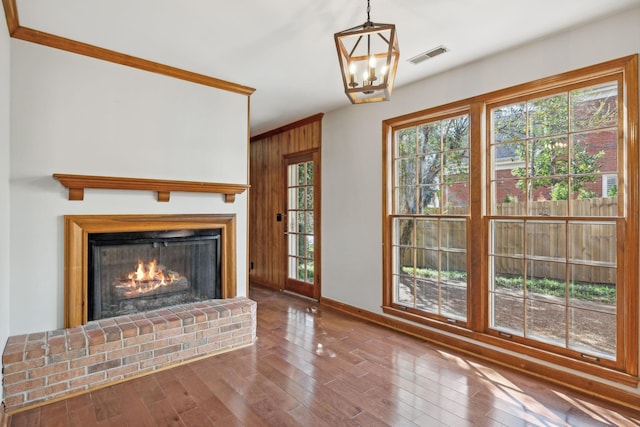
{"x": 428, "y": 55}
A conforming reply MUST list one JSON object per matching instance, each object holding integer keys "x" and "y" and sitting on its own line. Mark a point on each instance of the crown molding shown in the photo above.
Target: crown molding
{"x": 51, "y": 40}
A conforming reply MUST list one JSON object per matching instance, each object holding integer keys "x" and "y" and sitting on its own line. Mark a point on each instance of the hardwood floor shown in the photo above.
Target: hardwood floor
{"x": 313, "y": 366}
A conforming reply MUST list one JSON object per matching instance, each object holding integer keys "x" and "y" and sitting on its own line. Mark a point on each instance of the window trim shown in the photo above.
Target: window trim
{"x": 477, "y": 323}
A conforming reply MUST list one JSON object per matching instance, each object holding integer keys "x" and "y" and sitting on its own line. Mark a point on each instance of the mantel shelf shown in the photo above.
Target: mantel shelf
{"x": 77, "y": 183}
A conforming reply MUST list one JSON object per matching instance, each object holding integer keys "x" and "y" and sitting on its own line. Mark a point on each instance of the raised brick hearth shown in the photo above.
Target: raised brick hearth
{"x": 42, "y": 366}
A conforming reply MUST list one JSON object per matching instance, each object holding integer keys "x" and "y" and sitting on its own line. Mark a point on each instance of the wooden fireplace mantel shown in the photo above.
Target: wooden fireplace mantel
{"x": 77, "y": 183}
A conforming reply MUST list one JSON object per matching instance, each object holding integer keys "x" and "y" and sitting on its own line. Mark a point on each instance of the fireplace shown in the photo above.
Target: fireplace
{"x": 124, "y": 264}
{"x": 133, "y": 272}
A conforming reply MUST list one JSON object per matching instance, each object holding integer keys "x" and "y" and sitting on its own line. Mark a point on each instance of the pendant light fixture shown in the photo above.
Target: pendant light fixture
{"x": 368, "y": 56}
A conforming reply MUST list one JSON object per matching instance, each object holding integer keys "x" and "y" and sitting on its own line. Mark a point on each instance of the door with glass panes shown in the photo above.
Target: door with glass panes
{"x": 302, "y": 213}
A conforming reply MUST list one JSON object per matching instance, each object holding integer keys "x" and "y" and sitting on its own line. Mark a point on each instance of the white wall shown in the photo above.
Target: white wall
{"x": 77, "y": 115}
{"x": 4, "y": 184}
{"x": 352, "y": 146}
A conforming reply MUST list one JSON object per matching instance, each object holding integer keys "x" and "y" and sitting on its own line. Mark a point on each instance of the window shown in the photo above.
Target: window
{"x": 431, "y": 198}
{"x": 610, "y": 185}
{"x": 553, "y": 255}
{"x": 510, "y": 220}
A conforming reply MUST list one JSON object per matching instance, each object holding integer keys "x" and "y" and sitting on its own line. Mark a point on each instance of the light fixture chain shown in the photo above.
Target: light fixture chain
{"x": 368, "y": 10}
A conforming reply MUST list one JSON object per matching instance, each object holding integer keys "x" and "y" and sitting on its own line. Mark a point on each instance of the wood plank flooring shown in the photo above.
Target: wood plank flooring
{"x": 313, "y": 366}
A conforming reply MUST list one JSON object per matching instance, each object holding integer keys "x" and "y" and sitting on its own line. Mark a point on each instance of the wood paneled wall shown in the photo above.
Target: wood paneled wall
{"x": 267, "y": 244}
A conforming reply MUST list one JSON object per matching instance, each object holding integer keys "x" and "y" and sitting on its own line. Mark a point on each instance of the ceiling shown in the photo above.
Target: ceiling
{"x": 285, "y": 48}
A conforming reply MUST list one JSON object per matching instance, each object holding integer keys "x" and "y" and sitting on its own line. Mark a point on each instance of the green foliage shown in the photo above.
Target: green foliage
{"x": 539, "y": 128}
{"x": 428, "y": 156}
{"x": 596, "y": 292}
{"x": 612, "y": 191}
{"x": 308, "y": 270}
{"x": 559, "y": 192}
{"x": 431, "y": 273}
{"x": 548, "y": 167}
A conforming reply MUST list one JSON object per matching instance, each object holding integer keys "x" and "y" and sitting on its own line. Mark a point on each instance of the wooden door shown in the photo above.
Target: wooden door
{"x": 302, "y": 223}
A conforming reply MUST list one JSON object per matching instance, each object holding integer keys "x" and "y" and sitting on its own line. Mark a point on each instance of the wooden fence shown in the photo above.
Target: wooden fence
{"x": 590, "y": 249}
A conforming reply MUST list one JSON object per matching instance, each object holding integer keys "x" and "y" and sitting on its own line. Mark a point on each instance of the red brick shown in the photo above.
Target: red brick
{"x": 123, "y": 352}
{"x": 168, "y": 333}
{"x": 13, "y": 353}
{"x": 212, "y": 332}
{"x": 96, "y": 337}
{"x": 104, "y": 366}
{"x": 87, "y": 380}
{"x": 159, "y": 324}
{"x": 129, "y": 330}
{"x": 68, "y": 355}
{"x": 211, "y": 313}
{"x": 199, "y": 316}
{"x": 13, "y": 401}
{"x": 17, "y": 339}
{"x": 167, "y": 350}
{"x": 155, "y": 363}
{"x": 154, "y": 344}
{"x": 228, "y": 328}
{"x": 195, "y": 343}
{"x": 106, "y": 322}
{"x": 136, "y": 358}
{"x": 14, "y": 378}
{"x": 38, "y": 336}
{"x": 112, "y": 333}
{"x": 183, "y": 355}
{"x": 173, "y": 321}
{"x": 47, "y": 392}
{"x": 57, "y": 344}
{"x": 208, "y": 348}
{"x": 144, "y": 326}
{"x": 66, "y": 375}
{"x": 33, "y": 350}
{"x": 48, "y": 370}
{"x": 221, "y": 337}
{"x": 182, "y": 338}
{"x": 23, "y": 366}
{"x": 225, "y": 321}
{"x": 121, "y": 372}
{"x": 122, "y": 319}
{"x": 103, "y": 348}
{"x": 87, "y": 360}
{"x": 187, "y": 318}
{"x": 76, "y": 340}
{"x": 137, "y": 340}
{"x": 194, "y": 328}
{"x": 23, "y": 386}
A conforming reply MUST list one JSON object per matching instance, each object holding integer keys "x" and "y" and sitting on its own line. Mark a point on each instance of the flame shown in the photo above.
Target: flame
{"x": 146, "y": 278}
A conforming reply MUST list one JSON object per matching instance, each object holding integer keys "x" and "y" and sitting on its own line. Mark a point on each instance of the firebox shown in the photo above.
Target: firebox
{"x": 132, "y": 272}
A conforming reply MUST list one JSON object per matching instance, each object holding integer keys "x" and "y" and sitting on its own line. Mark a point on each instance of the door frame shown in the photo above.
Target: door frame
{"x": 302, "y": 288}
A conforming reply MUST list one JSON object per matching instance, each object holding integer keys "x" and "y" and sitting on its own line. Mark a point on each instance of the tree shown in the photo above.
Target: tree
{"x": 430, "y": 155}
{"x": 548, "y": 162}
{"x": 539, "y": 130}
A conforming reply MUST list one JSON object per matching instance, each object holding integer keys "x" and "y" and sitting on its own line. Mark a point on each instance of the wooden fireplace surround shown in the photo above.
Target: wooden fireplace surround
{"x": 78, "y": 227}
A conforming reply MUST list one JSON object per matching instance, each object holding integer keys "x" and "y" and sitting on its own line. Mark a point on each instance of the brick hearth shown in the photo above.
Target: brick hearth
{"x": 47, "y": 365}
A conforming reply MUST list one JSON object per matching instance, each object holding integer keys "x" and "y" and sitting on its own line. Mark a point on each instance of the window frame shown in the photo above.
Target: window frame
{"x": 625, "y": 368}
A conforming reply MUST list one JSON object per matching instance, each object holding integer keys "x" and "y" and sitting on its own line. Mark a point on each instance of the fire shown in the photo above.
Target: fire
{"x": 146, "y": 278}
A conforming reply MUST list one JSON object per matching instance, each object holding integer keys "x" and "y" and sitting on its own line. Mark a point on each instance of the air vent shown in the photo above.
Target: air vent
{"x": 428, "y": 55}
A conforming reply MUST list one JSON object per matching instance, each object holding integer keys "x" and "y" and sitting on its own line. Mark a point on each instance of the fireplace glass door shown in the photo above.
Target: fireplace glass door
{"x": 136, "y": 272}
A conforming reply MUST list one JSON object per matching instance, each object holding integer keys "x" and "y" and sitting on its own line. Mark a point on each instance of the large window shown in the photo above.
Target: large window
{"x": 512, "y": 218}
{"x": 431, "y": 198}
{"x": 553, "y": 256}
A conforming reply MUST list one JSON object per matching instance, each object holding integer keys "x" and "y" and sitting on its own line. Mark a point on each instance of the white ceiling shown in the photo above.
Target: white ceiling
{"x": 285, "y": 48}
